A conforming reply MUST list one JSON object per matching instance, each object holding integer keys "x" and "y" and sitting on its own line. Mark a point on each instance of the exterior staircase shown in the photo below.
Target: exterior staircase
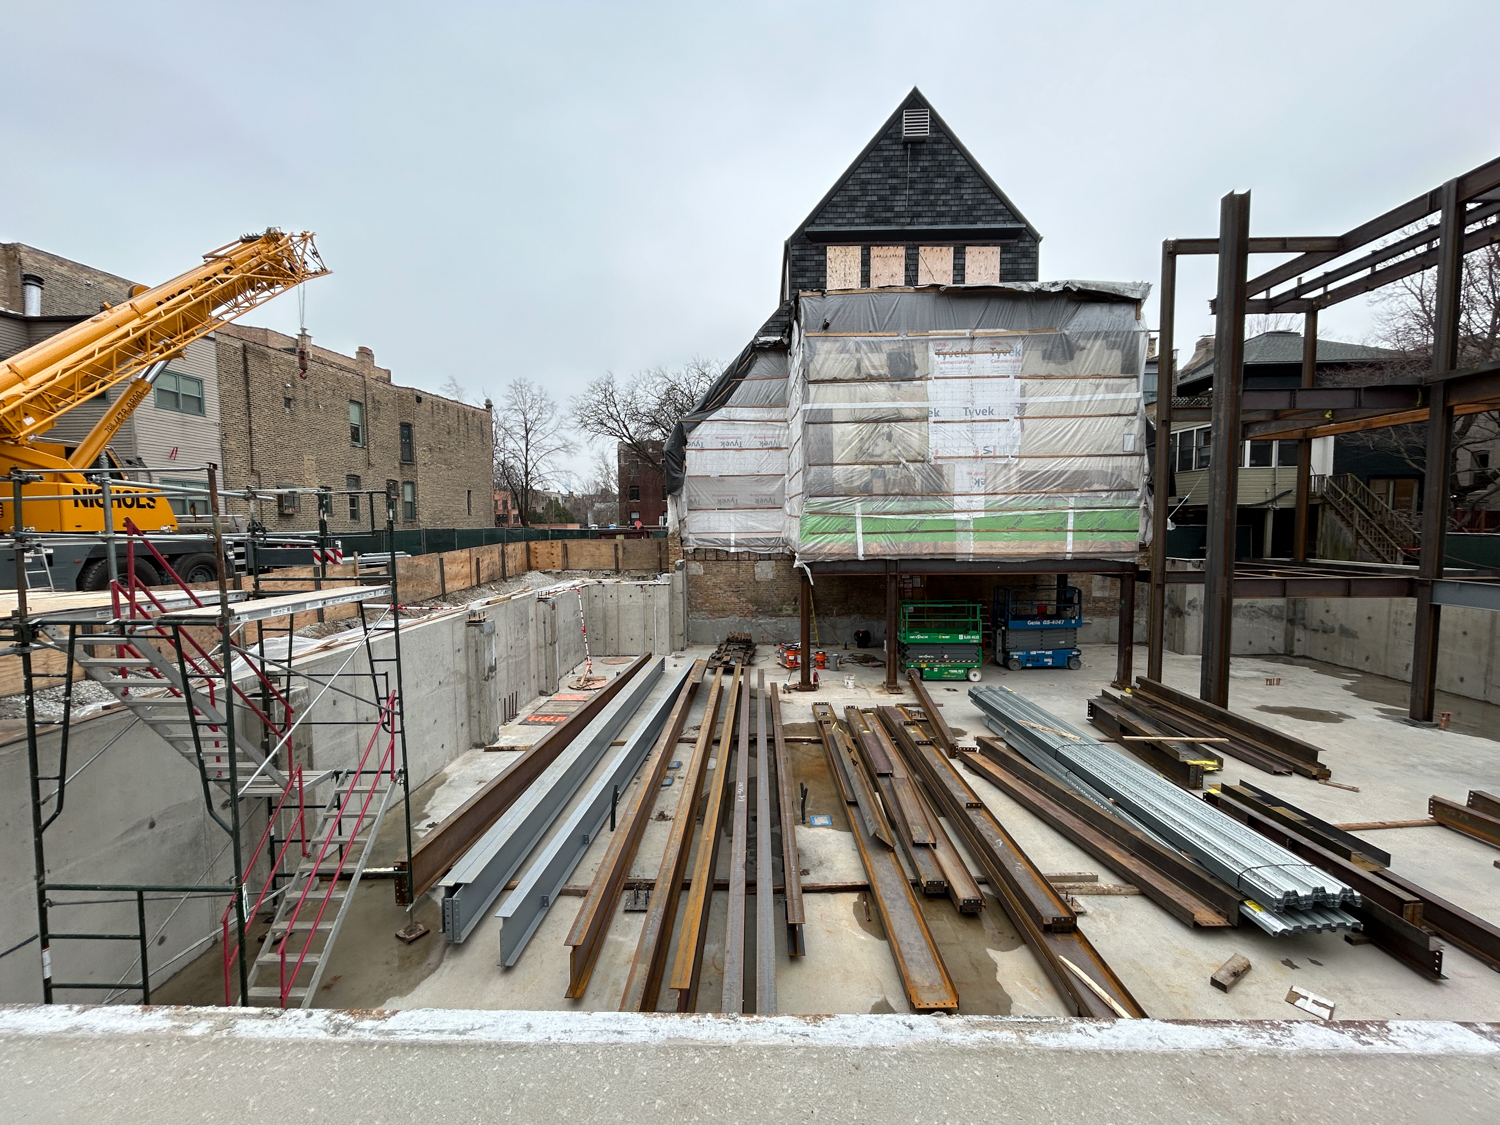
{"x": 313, "y": 902}
{"x": 1376, "y": 527}
{"x": 186, "y": 713}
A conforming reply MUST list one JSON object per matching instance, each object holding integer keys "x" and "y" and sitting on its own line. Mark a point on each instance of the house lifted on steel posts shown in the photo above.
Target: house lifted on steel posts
{"x": 921, "y": 418}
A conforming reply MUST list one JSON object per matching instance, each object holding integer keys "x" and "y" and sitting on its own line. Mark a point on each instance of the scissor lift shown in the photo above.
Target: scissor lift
{"x": 1037, "y": 627}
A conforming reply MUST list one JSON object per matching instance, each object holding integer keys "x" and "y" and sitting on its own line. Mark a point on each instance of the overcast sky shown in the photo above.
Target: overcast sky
{"x": 558, "y": 190}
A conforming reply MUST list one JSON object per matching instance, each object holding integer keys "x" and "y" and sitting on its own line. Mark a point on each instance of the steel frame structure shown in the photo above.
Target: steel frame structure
{"x": 199, "y": 635}
{"x": 1323, "y": 273}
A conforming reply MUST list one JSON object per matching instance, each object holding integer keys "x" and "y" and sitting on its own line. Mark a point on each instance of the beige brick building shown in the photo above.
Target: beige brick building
{"x": 347, "y": 426}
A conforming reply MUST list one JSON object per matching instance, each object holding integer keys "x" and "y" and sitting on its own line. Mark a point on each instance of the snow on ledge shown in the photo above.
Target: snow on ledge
{"x": 429, "y": 1025}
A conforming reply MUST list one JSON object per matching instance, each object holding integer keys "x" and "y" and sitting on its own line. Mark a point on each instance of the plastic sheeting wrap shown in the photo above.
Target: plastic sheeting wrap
{"x": 939, "y": 423}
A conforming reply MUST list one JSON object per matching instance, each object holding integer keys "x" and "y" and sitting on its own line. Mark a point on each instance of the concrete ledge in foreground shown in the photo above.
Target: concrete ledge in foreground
{"x": 165, "y": 1065}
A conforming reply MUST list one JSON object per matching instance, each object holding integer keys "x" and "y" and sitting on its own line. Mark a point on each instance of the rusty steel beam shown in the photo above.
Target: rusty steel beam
{"x": 796, "y": 916}
{"x": 1461, "y": 818}
{"x": 1082, "y": 977}
{"x": 732, "y": 999}
{"x": 646, "y": 969}
{"x": 908, "y": 820}
{"x": 688, "y": 966}
{"x": 586, "y": 937}
{"x": 929, "y": 988}
{"x": 939, "y": 725}
{"x": 1162, "y": 467}
{"x": 765, "y": 902}
{"x": 1180, "y": 886}
{"x": 1211, "y": 720}
{"x": 446, "y": 844}
{"x": 1223, "y": 470}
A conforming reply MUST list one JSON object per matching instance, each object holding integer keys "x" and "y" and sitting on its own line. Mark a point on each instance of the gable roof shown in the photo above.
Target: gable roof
{"x": 1286, "y": 348}
{"x": 1006, "y": 213}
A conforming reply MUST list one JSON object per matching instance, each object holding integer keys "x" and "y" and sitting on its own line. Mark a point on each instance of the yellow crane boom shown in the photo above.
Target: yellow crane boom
{"x": 130, "y": 341}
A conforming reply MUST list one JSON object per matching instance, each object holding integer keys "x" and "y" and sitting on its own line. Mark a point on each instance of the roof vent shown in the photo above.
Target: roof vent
{"x": 916, "y": 122}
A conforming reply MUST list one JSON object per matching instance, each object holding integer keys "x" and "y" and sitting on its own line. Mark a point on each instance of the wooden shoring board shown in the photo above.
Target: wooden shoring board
{"x": 688, "y": 965}
{"x": 923, "y": 973}
{"x": 796, "y": 916}
{"x": 586, "y": 937}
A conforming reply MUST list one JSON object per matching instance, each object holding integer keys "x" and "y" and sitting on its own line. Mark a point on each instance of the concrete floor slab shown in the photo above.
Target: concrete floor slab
{"x": 1165, "y": 964}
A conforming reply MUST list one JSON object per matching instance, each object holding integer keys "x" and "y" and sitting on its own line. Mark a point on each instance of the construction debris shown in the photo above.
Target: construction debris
{"x": 1480, "y": 818}
{"x": 734, "y": 650}
{"x": 1227, "y": 975}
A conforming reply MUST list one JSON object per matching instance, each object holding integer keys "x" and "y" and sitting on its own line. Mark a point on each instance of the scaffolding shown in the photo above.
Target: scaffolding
{"x": 215, "y": 671}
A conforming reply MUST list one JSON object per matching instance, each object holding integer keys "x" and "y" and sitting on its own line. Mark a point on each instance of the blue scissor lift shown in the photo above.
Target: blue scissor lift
{"x": 1037, "y": 627}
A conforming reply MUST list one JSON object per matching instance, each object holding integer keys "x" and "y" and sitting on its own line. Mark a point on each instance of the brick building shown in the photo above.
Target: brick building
{"x": 347, "y": 425}
{"x": 643, "y": 490}
{"x": 237, "y": 399}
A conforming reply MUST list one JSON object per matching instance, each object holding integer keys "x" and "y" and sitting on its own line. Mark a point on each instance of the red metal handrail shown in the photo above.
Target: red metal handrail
{"x": 385, "y": 721}
{"x": 297, "y": 832}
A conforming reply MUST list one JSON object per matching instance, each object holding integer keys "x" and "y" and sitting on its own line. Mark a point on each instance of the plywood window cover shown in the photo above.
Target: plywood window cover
{"x": 982, "y": 265}
{"x": 887, "y": 267}
{"x": 935, "y": 265}
{"x": 843, "y": 267}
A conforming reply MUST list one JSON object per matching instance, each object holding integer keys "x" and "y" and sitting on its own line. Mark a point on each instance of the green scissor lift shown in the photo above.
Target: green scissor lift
{"x": 944, "y": 639}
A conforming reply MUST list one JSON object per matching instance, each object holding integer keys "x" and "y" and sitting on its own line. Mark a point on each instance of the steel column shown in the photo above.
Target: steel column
{"x": 804, "y": 658}
{"x": 1125, "y": 643}
{"x": 1161, "y": 484}
{"x": 892, "y": 628}
{"x": 1304, "y": 447}
{"x": 1435, "y": 482}
{"x": 1229, "y": 375}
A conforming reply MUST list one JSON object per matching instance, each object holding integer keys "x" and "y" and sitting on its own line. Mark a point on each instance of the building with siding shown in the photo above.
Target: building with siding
{"x": 178, "y": 424}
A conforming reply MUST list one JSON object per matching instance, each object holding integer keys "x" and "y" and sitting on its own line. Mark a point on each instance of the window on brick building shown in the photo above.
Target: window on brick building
{"x": 288, "y": 503}
{"x": 635, "y": 492}
{"x": 408, "y": 500}
{"x": 356, "y": 422}
{"x": 407, "y": 453}
{"x": 663, "y": 492}
{"x": 353, "y": 485}
{"x": 468, "y": 501}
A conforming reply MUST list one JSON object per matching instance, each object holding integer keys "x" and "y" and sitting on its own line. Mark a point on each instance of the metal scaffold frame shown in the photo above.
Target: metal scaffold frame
{"x": 200, "y": 667}
{"x": 1457, "y": 218}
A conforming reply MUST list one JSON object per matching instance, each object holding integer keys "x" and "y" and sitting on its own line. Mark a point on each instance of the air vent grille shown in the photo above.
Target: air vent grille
{"x": 916, "y": 122}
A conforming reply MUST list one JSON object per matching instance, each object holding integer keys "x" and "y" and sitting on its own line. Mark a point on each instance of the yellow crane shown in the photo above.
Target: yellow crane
{"x": 129, "y": 343}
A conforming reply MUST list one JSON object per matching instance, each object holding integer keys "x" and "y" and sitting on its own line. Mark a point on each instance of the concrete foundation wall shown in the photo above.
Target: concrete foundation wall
{"x": 137, "y": 814}
{"x": 757, "y": 594}
{"x": 1367, "y": 634}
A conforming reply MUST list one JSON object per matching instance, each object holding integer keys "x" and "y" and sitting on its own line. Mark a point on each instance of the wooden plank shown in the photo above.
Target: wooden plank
{"x": 1227, "y": 975}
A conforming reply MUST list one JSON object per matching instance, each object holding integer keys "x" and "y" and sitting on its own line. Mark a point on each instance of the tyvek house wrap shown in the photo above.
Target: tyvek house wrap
{"x": 938, "y": 423}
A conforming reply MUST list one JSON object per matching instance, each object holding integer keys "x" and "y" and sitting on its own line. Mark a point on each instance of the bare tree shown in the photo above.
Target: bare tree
{"x": 528, "y": 443}
{"x": 645, "y": 408}
{"x": 1258, "y": 323}
{"x": 604, "y": 476}
{"x": 1406, "y": 320}
{"x": 452, "y": 388}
